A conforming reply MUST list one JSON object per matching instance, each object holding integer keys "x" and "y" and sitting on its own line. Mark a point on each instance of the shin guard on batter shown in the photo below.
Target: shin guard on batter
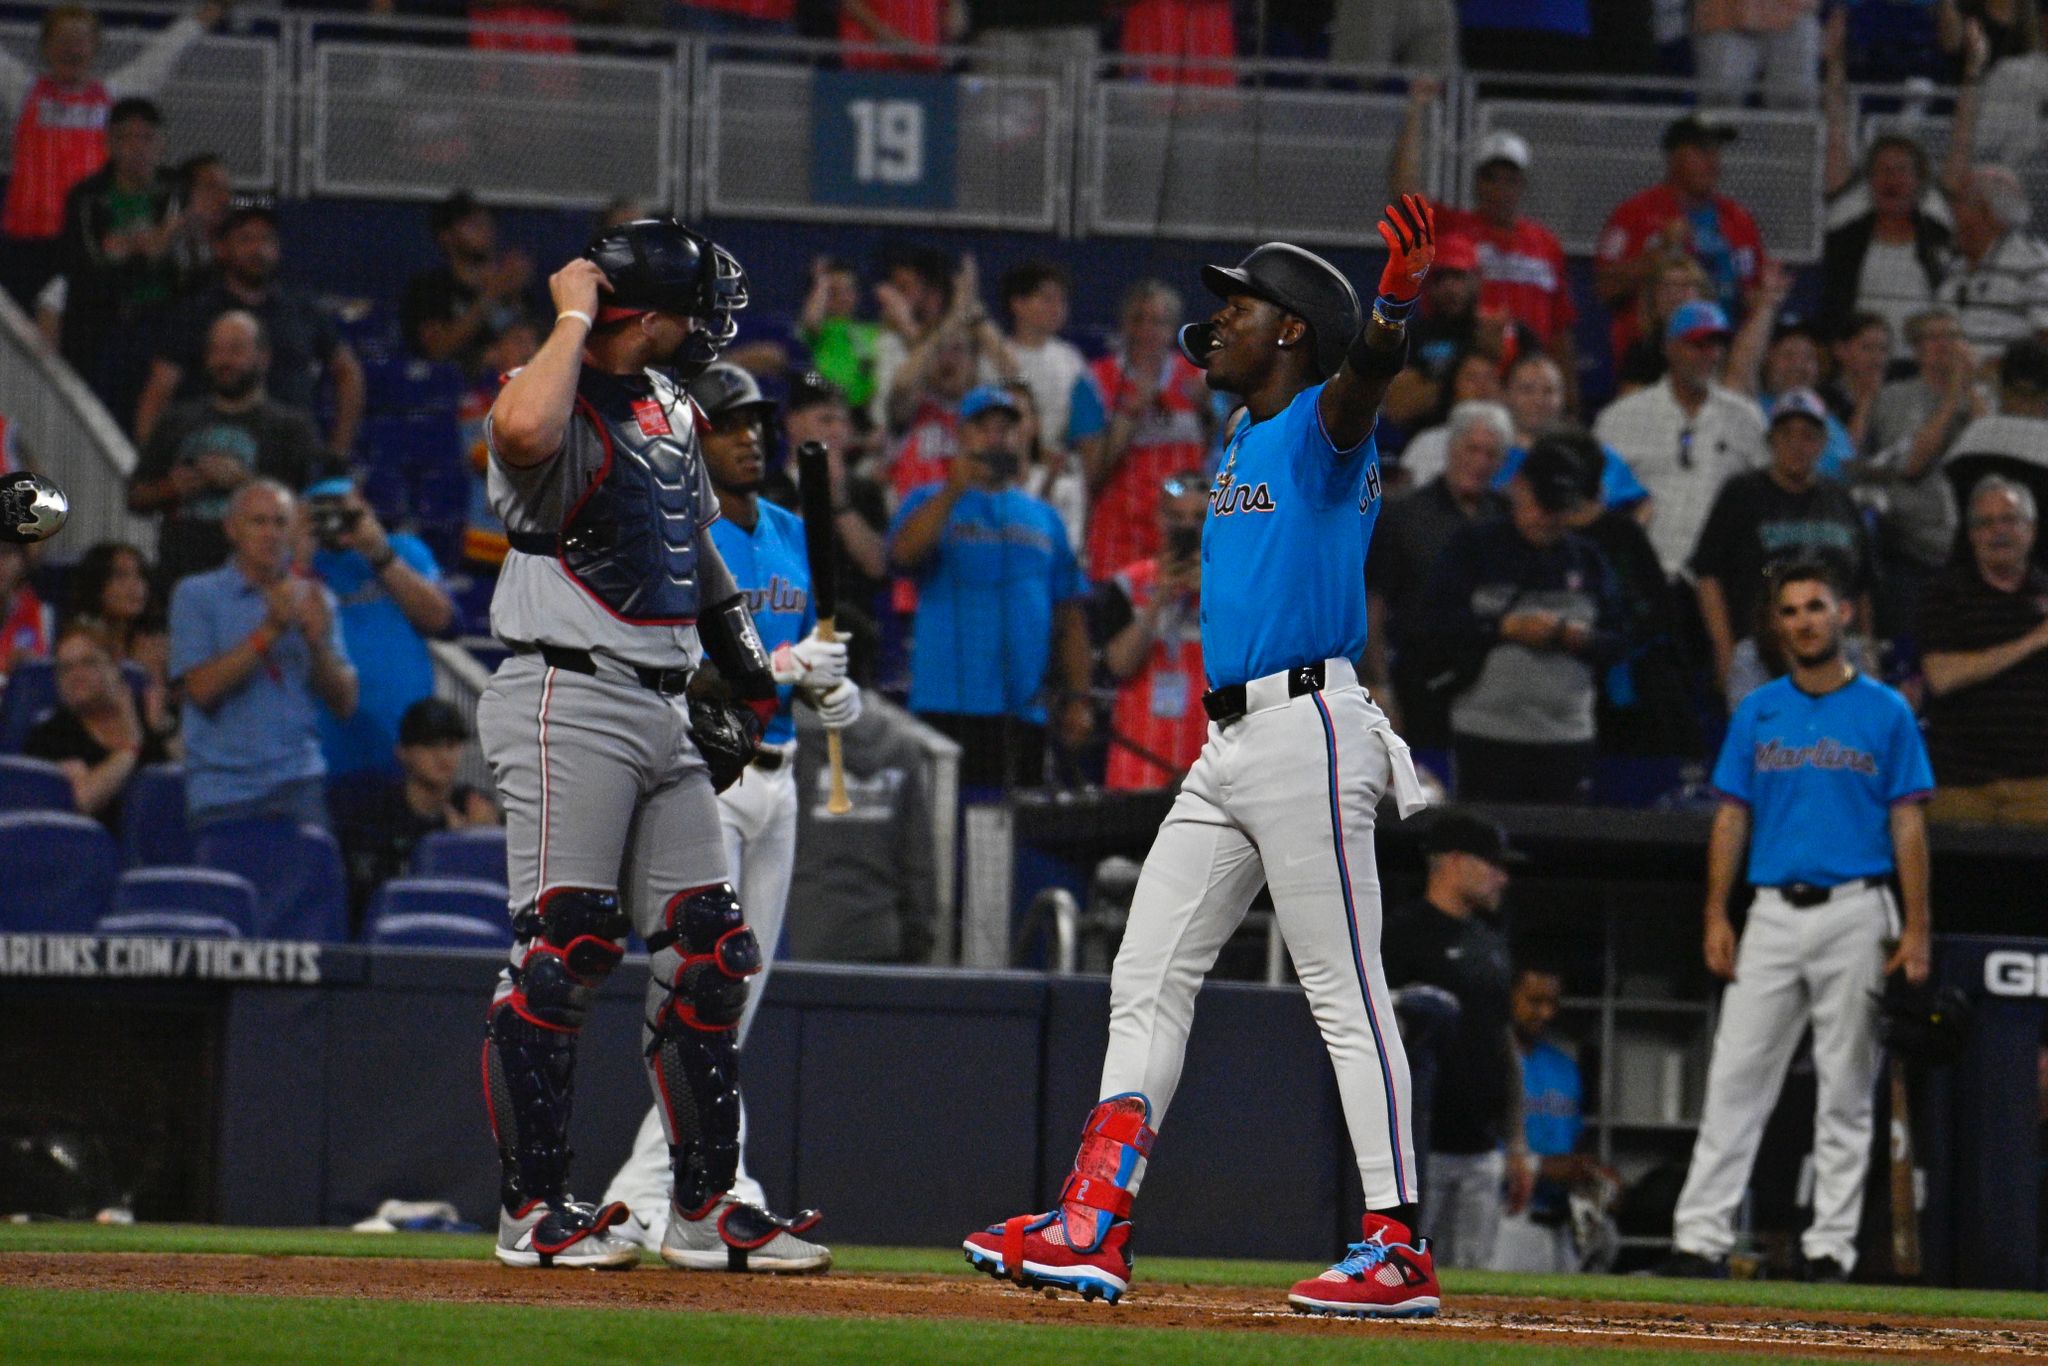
{"x": 1084, "y": 1243}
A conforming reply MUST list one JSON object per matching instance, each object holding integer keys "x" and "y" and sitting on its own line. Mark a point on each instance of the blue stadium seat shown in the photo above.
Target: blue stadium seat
{"x": 301, "y": 887}
{"x": 60, "y": 870}
{"x": 477, "y": 853}
{"x": 33, "y": 785}
{"x": 441, "y": 913}
{"x": 157, "y": 900}
{"x": 153, "y": 830}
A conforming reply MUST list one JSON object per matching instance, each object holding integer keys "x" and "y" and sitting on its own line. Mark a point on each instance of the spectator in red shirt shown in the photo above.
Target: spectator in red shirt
{"x": 26, "y": 624}
{"x": 1159, "y": 421}
{"x": 1151, "y": 612}
{"x": 1521, "y": 264}
{"x": 1193, "y": 31}
{"x": 949, "y": 369}
{"x": 913, "y": 28}
{"x": 1684, "y": 215}
{"x": 60, "y": 129}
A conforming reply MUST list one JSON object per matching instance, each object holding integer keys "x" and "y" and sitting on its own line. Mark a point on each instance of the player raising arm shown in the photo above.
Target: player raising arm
{"x": 1285, "y": 790}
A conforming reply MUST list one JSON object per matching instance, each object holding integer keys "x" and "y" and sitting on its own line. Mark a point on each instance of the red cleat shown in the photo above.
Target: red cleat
{"x": 1034, "y": 1251}
{"x": 1391, "y": 1275}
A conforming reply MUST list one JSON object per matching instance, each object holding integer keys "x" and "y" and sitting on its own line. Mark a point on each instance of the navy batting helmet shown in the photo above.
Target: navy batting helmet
{"x": 725, "y": 388}
{"x": 1303, "y": 284}
{"x": 658, "y": 264}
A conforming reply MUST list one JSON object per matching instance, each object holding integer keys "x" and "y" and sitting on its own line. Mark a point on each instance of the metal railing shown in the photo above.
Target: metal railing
{"x": 69, "y": 436}
{"x": 364, "y": 105}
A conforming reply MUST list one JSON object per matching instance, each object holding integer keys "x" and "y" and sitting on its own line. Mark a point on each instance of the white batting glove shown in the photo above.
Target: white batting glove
{"x": 840, "y": 707}
{"x": 810, "y": 662}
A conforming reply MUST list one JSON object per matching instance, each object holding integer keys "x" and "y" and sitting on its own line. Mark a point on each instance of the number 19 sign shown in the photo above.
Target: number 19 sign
{"x": 882, "y": 141}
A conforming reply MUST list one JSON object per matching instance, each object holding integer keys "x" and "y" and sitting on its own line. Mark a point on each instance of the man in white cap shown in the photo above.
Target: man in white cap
{"x": 1521, "y": 264}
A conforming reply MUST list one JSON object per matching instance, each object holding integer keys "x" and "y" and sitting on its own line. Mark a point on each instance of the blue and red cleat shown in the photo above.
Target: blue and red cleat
{"x": 1390, "y": 1275}
{"x": 1035, "y": 1252}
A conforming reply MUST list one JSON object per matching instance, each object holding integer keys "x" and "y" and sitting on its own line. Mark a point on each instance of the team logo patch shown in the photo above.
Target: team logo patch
{"x": 652, "y": 418}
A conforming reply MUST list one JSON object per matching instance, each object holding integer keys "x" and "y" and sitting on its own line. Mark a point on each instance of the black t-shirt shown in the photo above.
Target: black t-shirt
{"x": 271, "y": 439}
{"x": 1411, "y": 533}
{"x": 437, "y": 295}
{"x": 302, "y": 342}
{"x": 1755, "y": 522}
{"x": 1997, "y": 728}
{"x": 1476, "y": 1067}
{"x": 61, "y": 736}
{"x": 378, "y": 829}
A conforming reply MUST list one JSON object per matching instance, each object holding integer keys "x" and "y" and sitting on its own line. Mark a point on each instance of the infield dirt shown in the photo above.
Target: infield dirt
{"x": 1160, "y": 1306}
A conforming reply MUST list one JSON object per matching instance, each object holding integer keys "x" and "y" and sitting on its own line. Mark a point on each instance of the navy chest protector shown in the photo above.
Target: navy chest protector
{"x": 630, "y": 540}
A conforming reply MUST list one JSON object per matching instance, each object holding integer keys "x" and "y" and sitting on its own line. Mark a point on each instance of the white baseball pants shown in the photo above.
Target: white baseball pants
{"x": 1825, "y": 964}
{"x": 1283, "y": 797}
{"x": 758, "y": 817}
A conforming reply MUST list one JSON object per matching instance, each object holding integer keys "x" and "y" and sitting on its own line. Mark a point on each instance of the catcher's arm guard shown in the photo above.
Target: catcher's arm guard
{"x": 734, "y": 647}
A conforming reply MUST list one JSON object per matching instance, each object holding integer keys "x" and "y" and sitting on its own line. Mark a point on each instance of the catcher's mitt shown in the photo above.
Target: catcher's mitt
{"x": 727, "y": 736}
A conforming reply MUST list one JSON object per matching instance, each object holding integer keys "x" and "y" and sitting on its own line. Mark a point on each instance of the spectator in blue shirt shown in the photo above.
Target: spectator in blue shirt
{"x": 253, "y": 645}
{"x": 1000, "y": 597}
{"x": 391, "y": 600}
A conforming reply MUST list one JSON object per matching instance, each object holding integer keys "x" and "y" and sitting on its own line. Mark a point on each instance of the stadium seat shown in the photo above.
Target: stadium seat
{"x": 478, "y": 853}
{"x": 301, "y": 888}
{"x": 153, "y": 830}
{"x": 33, "y": 785}
{"x": 60, "y": 870}
{"x": 440, "y": 912}
{"x": 147, "y": 897}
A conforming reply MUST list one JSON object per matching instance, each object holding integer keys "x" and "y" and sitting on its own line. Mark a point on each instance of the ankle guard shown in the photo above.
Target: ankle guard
{"x": 701, "y": 959}
{"x": 1114, "y": 1141}
{"x": 568, "y": 945}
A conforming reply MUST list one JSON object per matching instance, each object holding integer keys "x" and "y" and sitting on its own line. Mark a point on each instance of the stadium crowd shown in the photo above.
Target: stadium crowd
{"x": 1561, "y": 575}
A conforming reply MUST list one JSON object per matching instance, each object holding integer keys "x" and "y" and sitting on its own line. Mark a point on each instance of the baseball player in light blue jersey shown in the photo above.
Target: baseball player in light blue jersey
{"x": 763, "y": 546}
{"x": 1822, "y": 775}
{"x": 1284, "y": 792}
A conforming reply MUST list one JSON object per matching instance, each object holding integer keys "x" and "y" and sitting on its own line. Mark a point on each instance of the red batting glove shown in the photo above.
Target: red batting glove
{"x": 1409, "y": 230}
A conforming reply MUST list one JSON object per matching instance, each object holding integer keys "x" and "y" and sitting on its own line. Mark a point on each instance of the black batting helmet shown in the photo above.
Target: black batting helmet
{"x": 1303, "y": 284}
{"x": 658, "y": 264}
{"x": 725, "y": 388}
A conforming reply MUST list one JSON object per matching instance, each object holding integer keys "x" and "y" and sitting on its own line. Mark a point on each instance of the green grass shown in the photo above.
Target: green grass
{"x": 1934, "y": 1302}
{"x": 117, "y": 1329}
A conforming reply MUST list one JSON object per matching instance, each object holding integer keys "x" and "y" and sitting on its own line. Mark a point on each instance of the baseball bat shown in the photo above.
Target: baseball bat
{"x": 814, "y": 494}
{"x": 1905, "y": 1209}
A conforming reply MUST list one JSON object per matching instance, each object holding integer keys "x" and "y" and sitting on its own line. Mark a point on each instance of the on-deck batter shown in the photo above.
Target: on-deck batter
{"x": 1285, "y": 789}
{"x": 763, "y": 546}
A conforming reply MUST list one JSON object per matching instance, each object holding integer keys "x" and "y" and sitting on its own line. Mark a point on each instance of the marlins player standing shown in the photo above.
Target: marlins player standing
{"x": 763, "y": 546}
{"x": 1285, "y": 789}
{"x": 1822, "y": 775}
{"x": 613, "y": 593}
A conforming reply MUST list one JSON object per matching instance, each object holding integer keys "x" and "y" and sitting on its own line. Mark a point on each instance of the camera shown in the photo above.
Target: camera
{"x": 1183, "y": 542}
{"x": 333, "y": 519}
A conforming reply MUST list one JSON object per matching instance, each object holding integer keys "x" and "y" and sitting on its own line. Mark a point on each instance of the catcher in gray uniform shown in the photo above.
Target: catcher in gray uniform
{"x": 611, "y": 598}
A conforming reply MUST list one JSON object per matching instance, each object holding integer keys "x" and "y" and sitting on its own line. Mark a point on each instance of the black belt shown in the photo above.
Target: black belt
{"x": 768, "y": 760}
{"x": 668, "y": 682}
{"x": 1807, "y": 894}
{"x": 1226, "y": 704}
{"x": 535, "y": 542}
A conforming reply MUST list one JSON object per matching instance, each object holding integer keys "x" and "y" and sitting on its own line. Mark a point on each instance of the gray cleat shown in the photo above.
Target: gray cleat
{"x": 731, "y": 1235}
{"x": 565, "y": 1234}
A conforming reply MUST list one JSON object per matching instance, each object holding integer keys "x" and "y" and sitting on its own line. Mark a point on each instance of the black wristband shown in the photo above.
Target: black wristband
{"x": 1370, "y": 362}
